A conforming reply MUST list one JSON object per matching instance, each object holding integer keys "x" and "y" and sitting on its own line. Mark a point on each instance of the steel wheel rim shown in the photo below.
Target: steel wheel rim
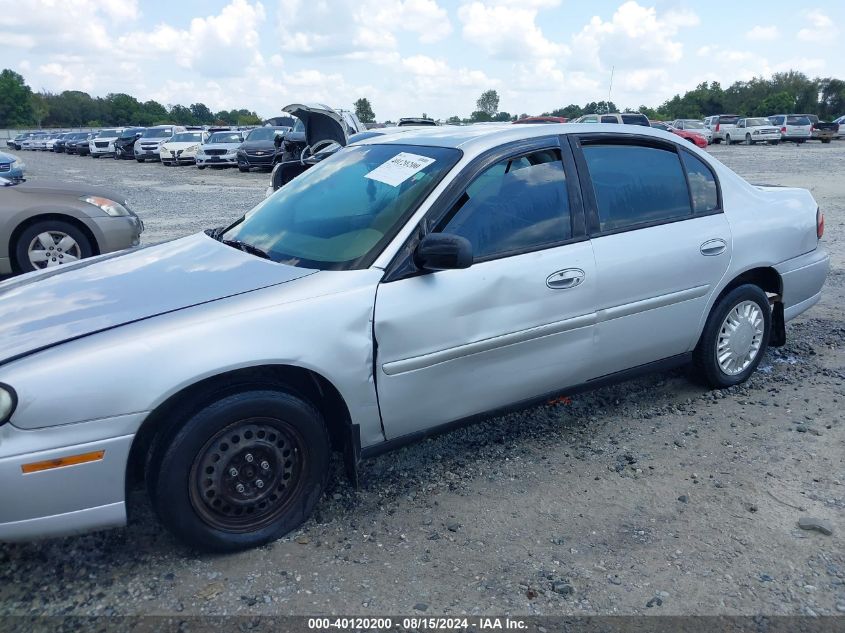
{"x": 246, "y": 476}
{"x": 53, "y": 248}
{"x": 740, "y": 338}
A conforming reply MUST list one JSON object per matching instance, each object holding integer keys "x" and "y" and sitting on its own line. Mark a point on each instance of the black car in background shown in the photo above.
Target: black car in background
{"x": 61, "y": 143}
{"x": 260, "y": 148}
{"x": 124, "y": 146}
{"x": 70, "y": 141}
{"x": 82, "y": 147}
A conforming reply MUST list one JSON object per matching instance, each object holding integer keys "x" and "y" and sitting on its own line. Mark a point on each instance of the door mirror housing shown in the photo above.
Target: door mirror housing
{"x": 442, "y": 251}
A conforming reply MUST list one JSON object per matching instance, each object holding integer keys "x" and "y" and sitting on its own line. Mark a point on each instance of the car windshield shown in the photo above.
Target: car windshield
{"x": 693, "y": 125}
{"x": 343, "y": 211}
{"x": 759, "y": 121}
{"x": 131, "y": 132}
{"x": 225, "y": 137}
{"x": 158, "y": 132}
{"x": 262, "y": 134}
{"x": 186, "y": 137}
{"x": 109, "y": 133}
{"x": 299, "y": 126}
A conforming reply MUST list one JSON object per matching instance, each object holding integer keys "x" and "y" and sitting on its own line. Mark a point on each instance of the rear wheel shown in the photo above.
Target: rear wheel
{"x": 50, "y": 243}
{"x": 242, "y": 471}
{"x": 243, "y": 169}
{"x": 728, "y": 139}
{"x": 735, "y": 337}
{"x": 200, "y": 166}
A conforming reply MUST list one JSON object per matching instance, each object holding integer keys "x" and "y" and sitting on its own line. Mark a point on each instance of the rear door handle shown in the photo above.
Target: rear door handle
{"x": 563, "y": 279}
{"x": 713, "y": 247}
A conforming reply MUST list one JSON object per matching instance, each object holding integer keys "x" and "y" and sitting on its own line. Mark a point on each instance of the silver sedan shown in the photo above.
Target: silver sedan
{"x": 47, "y": 224}
{"x": 402, "y": 285}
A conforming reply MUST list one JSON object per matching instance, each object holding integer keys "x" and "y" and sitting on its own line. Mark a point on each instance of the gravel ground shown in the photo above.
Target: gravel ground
{"x": 654, "y": 496}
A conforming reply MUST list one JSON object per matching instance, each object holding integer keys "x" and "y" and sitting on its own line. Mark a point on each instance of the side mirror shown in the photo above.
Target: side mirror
{"x": 442, "y": 251}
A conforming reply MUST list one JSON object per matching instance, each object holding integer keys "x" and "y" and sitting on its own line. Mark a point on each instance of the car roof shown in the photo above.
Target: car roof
{"x": 478, "y": 138}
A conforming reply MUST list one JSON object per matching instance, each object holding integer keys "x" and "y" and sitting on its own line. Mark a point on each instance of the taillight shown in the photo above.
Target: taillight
{"x": 717, "y": 126}
{"x": 783, "y": 130}
{"x": 819, "y": 223}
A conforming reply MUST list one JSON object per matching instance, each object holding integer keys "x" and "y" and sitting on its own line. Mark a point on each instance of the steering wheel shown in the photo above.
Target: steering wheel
{"x": 310, "y": 150}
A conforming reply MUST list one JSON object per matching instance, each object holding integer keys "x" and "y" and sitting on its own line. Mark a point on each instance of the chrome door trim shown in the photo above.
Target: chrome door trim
{"x": 396, "y": 367}
{"x": 660, "y": 301}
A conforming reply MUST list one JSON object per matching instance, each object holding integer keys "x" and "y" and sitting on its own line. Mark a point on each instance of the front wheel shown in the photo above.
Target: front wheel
{"x": 243, "y": 169}
{"x": 241, "y": 472}
{"x": 748, "y": 140}
{"x": 50, "y": 243}
{"x": 140, "y": 160}
{"x": 735, "y": 337}
{"x": 200, "y": 166}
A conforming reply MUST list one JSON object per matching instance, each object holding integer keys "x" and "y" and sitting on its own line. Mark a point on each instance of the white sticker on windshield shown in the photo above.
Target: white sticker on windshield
{"x": 399, "y": 168}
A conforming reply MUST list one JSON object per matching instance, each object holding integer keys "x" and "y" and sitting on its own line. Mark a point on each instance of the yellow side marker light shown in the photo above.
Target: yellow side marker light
{"x": 61, "y": 462}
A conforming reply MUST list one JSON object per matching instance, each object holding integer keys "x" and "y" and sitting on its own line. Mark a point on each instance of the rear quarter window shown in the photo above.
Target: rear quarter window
{"x": 702, "y": 184}
{"x": 797, "y": 120}
{"x": 729, "y": 120}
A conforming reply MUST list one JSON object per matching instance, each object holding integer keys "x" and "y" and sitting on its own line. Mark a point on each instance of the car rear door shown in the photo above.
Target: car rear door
{"x": 661, "y": 244}
{"x": 798, "y": 127}
{"x": 515, "y": 325}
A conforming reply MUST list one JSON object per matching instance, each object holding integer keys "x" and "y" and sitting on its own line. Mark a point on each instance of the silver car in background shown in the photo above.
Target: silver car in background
{"x": 404, "y": 284}
{"x": 220, "y": 149}
{"x": 149, "y": 145}
{"x": 103, "y": 143}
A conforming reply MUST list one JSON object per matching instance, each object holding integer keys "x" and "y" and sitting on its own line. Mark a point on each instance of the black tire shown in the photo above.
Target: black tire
{"x": 825, "y": 140}
{"x": 717, "y": 141}
{"x": 95, "y": 155}
{"x": 21, "y": 246}
{"x": 242, "y": 169}
{"x": 748, "y": 140}
{"x": 200, "y": 166}
{"x": 774, "y": 142}
{"x": 189, "y": 478}
{"x": 704, "y": 355}
{"x": 140, "y": 160}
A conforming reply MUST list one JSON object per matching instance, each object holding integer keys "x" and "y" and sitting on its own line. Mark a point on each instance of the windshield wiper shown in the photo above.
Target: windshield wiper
{"x": 247, "y": 248}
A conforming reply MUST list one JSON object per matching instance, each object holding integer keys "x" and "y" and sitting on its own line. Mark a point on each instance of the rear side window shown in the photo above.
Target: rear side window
{"x": 635, "y": 119}
{"x": 518, "y": 204}
{"x": 702, "y": 184}
{"x": 608, "y": 119}
{"x": 636, "y": 185}
{"x": 730, "y": 120}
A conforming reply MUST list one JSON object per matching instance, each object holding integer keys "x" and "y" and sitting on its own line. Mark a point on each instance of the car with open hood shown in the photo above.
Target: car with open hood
{"x": 403, "y": 285}
{"x": 182, "y": 148}
{"x": 48, "y": 224}
{"x": 220, "y": 149}
{"x": 124, "y": 146}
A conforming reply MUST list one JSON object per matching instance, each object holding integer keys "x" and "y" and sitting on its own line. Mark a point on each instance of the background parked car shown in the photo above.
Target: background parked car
{"x": 542, "y": 119}
{"x": 220, "y": 149}
{"x": 753, "y": 130}
{"x": 841, "y": 123}
{"x": 83, "y": 146}
{"x": 693, "y": 125}
{"x": 824, "y": 131}
{"x": 696, "y": 139}
{"x": 60, "y": 143}
{"x": 182, "y": 148}
{"x": 149, "y": 145}
{"x": 11, "y": 167}
{"x": 627, "y": 118}
{"x": 414, "y": 121}
{"x": 73, "y": 142}
{"x": 124, "y": 146}
{"x": 719, "y": 125}
{"x": 259, "y": 148}
{"x": 82, "y": 221}
{"x": 794, "y": 128}
{"x": 103, "y": 143}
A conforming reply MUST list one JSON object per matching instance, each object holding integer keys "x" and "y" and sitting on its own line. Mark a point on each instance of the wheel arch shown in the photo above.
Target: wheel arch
{"x": 305, "y": 382}
{"x": 49, "y": 215}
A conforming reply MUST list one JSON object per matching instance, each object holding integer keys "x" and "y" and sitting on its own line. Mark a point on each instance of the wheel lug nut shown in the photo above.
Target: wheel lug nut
{"x": 265, "y": 465}
{"x": 259, "y": 483}
{"x": 240, "y": 488}
{"x": 248, "y": 457}
{"x": 233, "y": 472}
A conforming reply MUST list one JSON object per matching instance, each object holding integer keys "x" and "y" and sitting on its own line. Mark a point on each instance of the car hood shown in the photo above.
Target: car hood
{"x": 180, "y": 145}
{"x": 321, "y": 122}
{"x": 252, "y": 146}
{"x": 43, "y": 309}
{"x": 56, "y": 188}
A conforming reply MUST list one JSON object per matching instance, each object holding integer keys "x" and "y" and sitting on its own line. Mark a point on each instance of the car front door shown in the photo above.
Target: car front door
{"x": 516, "y": 324}
{"x": 661, "y": 244}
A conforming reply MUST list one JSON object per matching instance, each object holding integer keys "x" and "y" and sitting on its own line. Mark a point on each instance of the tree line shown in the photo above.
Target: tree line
{"x": 21, "y": 107}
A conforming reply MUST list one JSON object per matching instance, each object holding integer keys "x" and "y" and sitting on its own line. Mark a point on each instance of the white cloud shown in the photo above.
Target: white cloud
{"x": 508, "y": 30}
{"x": 763, "y": 33}
{"x": 822, "y": 28}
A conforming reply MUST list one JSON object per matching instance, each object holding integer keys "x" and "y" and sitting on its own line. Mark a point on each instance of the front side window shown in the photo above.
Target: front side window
{"x": 341, "y": 212}
{"x": 636, "y": 185}
{"x": 516, "y": 205}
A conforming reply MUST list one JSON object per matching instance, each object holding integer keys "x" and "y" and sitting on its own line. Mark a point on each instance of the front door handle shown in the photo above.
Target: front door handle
{"x": 713, "y": 247}
{"x": 563, "y": 279}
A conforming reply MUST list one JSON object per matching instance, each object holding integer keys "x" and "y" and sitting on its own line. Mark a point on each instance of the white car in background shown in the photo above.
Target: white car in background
{"x": 220, "y": 150}
{"x": 695, "y": 126}
{"x": 841, "y": 122}
{"x": 182, "y": 147}
{"x": 103, "y": 143}
{"x": 795, "y": 128}
{"x": 753, "y": 130}
{"x": 719, "y": 125}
